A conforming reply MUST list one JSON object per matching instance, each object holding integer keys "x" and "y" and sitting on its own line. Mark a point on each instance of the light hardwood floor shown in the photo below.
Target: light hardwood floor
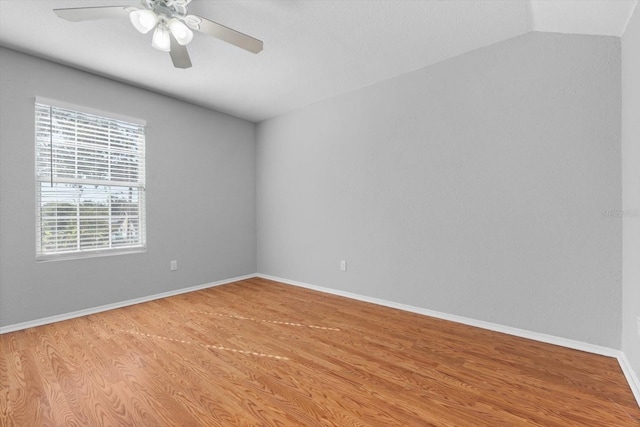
{"x": 260, "y": 353}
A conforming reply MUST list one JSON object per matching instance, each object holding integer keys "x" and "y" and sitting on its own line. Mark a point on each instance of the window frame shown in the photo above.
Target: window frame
{"x": 107, "y": 184}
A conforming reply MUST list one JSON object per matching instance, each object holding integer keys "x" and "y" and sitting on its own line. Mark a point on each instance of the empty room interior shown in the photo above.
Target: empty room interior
{"x": 336, "y": 213}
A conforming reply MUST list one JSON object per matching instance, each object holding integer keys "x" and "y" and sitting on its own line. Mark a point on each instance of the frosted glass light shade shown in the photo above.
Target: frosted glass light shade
{"x": 143, "y": 20}
{"x": 161, "y": 39}
{"x": 180, "y": 31}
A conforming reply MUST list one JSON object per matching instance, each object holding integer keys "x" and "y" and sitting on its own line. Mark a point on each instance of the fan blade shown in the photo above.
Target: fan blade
{"x": 179, "y": 54}
{"x": 226, "y": 34}
{"x": 88, "y": 13}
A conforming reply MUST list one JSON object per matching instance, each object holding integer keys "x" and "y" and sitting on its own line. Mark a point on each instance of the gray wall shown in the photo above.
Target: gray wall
{"x": 200, "y": 196}
{"x": 631, "y": 191}
{"x": 474, "y": 187}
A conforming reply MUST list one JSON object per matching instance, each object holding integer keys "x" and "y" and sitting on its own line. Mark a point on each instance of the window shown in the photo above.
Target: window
{"x": 90, "y": 182}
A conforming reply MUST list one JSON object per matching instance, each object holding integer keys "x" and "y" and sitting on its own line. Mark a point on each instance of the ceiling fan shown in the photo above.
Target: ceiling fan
{"x": 172, "y": 25}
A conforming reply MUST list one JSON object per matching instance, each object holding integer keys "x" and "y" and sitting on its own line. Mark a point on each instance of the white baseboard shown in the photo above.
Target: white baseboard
{"x": 94, "y": 310}
{"x": 629, "y": 374}
{"x": 550, "y": 339}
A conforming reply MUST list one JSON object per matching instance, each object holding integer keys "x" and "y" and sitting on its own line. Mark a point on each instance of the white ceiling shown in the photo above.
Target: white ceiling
{"x": 313, "y": 49}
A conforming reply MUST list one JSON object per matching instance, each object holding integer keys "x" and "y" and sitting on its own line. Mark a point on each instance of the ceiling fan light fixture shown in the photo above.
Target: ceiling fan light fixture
{"x": 173, "y": 26}
{"x": 143, "y": 20}
{"x": 180, "y": 31}
{"x": 161, "y": 38}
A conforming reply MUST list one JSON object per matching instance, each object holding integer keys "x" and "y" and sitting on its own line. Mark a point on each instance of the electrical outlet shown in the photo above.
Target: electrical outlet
{"x": 174, "y": 265}
{"x": 343, "y": 265}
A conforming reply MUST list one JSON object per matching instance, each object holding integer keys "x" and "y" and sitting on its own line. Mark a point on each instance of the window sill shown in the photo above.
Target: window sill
{"x": 89, "y": 254}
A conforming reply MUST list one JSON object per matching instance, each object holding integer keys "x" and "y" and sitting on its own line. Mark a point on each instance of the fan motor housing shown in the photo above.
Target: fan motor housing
{"x": 167, "y": 8}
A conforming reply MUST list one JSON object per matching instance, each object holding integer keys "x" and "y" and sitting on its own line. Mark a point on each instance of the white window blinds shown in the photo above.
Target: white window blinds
{"x": 90, "y": 183}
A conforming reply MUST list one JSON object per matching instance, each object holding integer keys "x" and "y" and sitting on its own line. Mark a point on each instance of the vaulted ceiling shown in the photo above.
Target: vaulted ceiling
{"x": 313, "y": 49}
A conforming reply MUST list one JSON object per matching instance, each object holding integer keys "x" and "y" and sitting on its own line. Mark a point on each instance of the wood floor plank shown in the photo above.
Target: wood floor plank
{"x": 261, "y": 353}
